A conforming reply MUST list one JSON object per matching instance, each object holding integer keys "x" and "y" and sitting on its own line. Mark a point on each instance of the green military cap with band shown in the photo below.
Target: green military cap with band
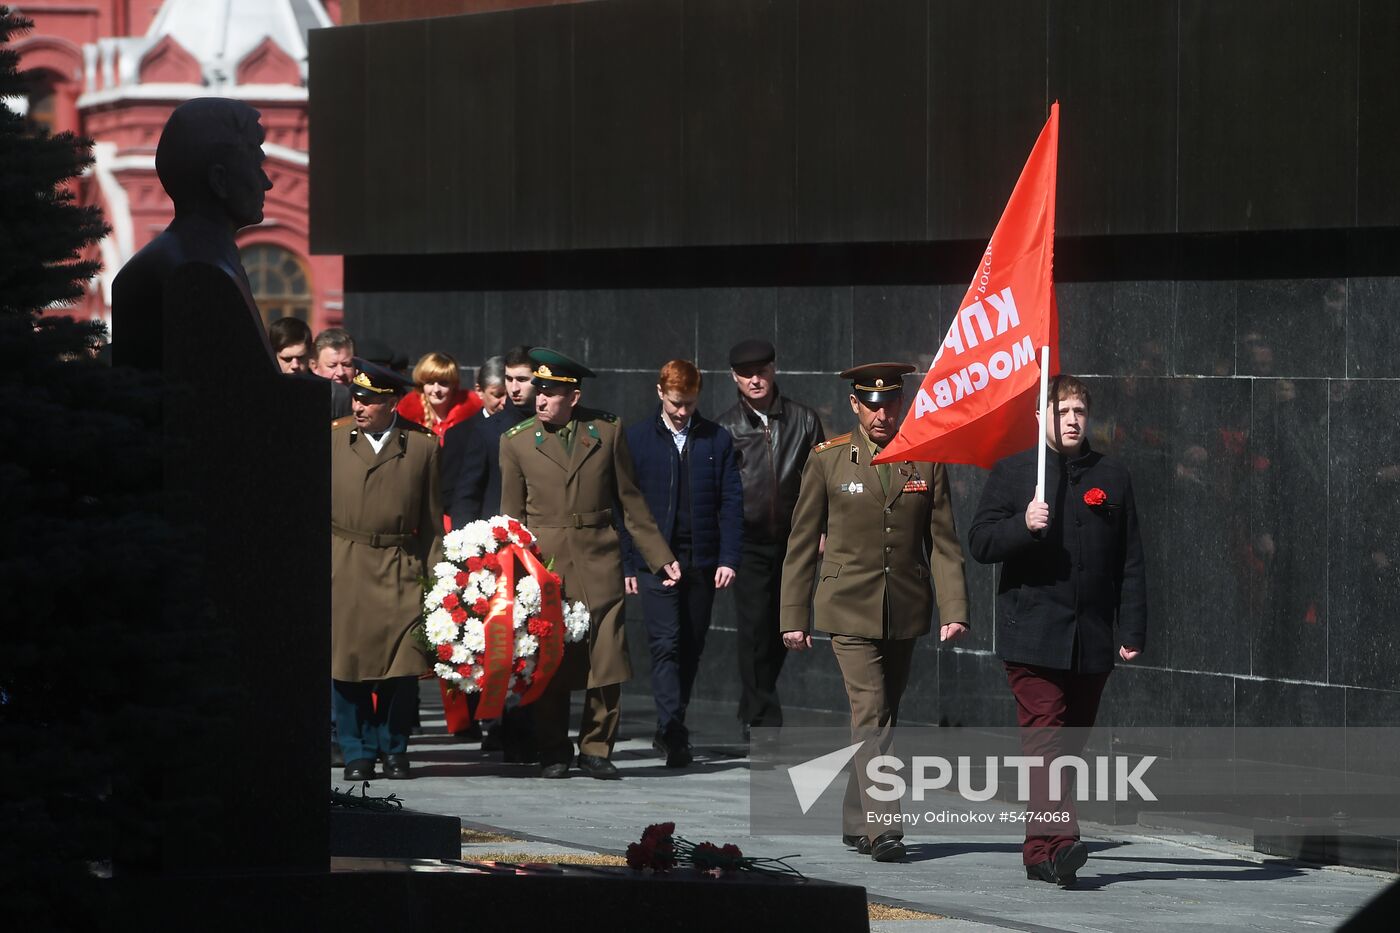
{"x": 552, "y": 368}
{"x": 877, "y": 383}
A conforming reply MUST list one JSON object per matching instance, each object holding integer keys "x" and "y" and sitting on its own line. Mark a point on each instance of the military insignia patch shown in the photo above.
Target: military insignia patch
{"x": 917, "y": 484}
{"x": 852, "y": 488}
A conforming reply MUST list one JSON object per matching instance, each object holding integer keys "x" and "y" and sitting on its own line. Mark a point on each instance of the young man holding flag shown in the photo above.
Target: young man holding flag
{"x": 1072, "y": 568}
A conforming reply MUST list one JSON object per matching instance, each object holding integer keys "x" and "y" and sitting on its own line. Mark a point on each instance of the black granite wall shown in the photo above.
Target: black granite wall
{"x": 1249, "y": 382}
{"x": 633, "y": 180}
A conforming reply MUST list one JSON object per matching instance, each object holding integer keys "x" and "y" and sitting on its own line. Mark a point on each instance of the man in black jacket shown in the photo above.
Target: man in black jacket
{"x": 471, "y": 490}
{"x": 471, "y": 466}
{"x": 1072, "y": 568}
{"x": 772, "y": 437}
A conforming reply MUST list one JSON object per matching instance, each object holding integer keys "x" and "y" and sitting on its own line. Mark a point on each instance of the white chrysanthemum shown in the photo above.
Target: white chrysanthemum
{"x": 461, "y": 654}
{"x": 445, "y": 572}
{"x": 440, "y": 628}
{"x": 527, "y": 600}
{"x": 480, "y": 585}
{"x": 576, "y": 619}
{"x": 454, "y": 545}
{"x": 434, "y": 597}
{"x": 474, "y": 636}
{"x": 446, "y": 673}
{"x": 477, "y": 539}
{"x": 526, "y": 645}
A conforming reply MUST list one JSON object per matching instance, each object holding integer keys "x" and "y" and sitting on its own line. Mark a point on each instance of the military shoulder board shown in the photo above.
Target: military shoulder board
{"x": 522, "y": 426}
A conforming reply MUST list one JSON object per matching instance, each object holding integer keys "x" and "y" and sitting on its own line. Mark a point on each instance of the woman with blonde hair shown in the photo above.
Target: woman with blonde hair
{"x": 440, "y": 402}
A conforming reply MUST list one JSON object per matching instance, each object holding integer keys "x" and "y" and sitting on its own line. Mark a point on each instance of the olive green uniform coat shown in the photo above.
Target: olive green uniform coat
{"x": 386, "y": 533}
{"x": 566, "y": 499}
{"x": 882, "y": 548}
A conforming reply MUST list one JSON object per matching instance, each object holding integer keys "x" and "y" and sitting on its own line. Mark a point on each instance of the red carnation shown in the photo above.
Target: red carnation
{"x": 519, "y": 665}
{"x": 499, "y": 533}
{"x": 540, "y": 628}
{"x": 474, "y": 564}
{"x": 459, "y": 615}
{"x": 731, "y": 850}
{"x": 464, "y": 669}
{"x": 482, "y": 606}
{"x": 444, "y": 652}
{"x": 513, "y": 525}
{"x": 450, "y": 602}
{"x": 1095, "y": 496}
{"x": 492, "y": 562}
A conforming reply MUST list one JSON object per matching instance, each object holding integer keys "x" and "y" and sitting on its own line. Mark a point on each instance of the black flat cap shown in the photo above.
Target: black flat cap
{"x": 751, "y": 353}
{"x": 875, "y": 383}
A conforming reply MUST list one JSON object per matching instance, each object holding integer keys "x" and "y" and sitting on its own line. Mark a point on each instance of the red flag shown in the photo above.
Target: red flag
{"x": 977, "y": 404}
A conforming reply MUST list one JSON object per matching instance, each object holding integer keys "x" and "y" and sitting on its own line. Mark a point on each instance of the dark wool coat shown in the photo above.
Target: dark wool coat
{"x": 716, "y": 493}
{"x": 1061, "y": 593}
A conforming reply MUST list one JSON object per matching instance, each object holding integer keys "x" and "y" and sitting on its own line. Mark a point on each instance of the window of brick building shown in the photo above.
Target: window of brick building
{"x": 281, "y": 285}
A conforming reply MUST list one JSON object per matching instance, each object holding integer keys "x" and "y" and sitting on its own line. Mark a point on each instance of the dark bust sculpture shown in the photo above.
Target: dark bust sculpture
{"x": 182, "y": 307}
{"x": 209, "y": 161}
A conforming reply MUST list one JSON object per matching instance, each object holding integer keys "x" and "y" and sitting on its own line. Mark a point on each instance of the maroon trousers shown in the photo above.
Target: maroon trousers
{"x": 1048, "y": 702}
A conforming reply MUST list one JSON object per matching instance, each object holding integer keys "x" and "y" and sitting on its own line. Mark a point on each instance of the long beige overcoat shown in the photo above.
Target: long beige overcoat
{"x": 566, "y": 499}
{"x": 386, "y": 534}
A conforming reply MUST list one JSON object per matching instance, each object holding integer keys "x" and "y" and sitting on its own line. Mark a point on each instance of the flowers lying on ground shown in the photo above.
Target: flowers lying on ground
{"x": 660, "y": 850}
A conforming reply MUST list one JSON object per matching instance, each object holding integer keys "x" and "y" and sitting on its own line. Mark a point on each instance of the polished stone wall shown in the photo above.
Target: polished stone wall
{"x": 635, "y": 180}
{"x": 1254, "y": 402}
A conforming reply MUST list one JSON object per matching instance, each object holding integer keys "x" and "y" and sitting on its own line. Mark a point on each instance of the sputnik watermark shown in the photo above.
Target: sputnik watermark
{"x": 1110, "y": 777}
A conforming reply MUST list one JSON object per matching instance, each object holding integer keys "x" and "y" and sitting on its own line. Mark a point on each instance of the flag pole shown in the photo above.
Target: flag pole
{"x": 1044, "y": 391}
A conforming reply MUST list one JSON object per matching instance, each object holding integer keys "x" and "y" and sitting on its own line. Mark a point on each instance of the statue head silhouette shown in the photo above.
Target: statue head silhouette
{"x": 209, "y": 161}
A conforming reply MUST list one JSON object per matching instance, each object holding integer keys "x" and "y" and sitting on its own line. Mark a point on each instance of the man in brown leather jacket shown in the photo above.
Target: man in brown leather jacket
{"x": 772, "y": 437}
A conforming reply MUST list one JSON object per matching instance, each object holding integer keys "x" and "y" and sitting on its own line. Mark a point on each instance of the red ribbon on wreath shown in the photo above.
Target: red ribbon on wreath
{"x": 498, "y": 660}
{"x": 551, "y": 652}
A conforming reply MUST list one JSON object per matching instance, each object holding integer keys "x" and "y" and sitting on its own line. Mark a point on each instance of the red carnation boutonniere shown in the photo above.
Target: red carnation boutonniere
{"x": 1095, "y": 496}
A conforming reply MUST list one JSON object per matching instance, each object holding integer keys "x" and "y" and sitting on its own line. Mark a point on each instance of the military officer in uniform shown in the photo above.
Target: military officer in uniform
{"x": 386, "y": 530}
{"x": 889, "y": 531}
{"x": 562, "y": 471}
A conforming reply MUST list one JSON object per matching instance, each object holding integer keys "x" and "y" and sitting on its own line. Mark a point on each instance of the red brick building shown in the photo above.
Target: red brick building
{"x": 113, "y": 70}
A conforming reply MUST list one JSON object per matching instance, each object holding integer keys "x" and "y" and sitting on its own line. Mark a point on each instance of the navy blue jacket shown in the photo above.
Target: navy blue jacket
{"x": 716, "y": 492}
{"x": 470, "y": 464}
{"x": 1062, "y": 591}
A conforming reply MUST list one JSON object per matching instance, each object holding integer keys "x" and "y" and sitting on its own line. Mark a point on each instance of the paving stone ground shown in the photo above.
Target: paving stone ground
{"x": 1132, "y": 881}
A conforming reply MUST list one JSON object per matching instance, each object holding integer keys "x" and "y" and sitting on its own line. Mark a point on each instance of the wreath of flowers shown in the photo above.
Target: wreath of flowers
{"x": 493, "y": 603}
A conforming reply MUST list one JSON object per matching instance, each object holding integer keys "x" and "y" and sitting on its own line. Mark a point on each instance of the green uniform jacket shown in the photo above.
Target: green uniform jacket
{"x": 881, "y": 547}
{"x": 386, "y": 534}
{"x": 567, "y": 500}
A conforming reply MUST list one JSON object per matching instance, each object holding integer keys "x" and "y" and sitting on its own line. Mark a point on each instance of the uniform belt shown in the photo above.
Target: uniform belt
{"x": 373, "y": 539}
{"x": 578, "y": 520}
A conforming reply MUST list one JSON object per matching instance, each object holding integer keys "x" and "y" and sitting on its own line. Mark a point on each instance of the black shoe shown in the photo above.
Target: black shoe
{"x": 600, "y": 768}
{"x": 1042, "y": 871}
{"x": 860, "y": 843}
{"x": 674, "y": 747}
{"x": 1068, "y": 861}
{"x": 337, "y": 756}
{"x": 471, "y": 733}
{"x": 396, "y": 767}
{"x": 361, "y": 769}
{"x": 555, "y": 771}
{"x": 492, "y": 740}
{"x": 887, "y": 847}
